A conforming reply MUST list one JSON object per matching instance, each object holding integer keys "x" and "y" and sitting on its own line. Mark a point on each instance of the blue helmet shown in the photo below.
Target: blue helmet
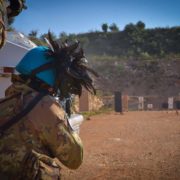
{"x": 63, "y": 67}
{"x": 34, "y": 59}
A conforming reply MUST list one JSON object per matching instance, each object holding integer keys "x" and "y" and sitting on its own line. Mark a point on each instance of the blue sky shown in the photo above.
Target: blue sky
{"x": 78, "y": 16}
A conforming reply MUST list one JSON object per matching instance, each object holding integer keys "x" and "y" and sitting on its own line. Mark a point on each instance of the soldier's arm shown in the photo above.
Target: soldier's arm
{"x": 58, "y": 140}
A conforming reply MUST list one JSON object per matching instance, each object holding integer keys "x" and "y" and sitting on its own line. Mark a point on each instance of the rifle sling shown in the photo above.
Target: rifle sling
{"x": 21, "y": 114}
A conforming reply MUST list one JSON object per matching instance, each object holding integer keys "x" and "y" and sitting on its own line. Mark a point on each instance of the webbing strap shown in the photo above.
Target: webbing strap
{"x": 10, "y": 97}
{"x": 42, "y": 68}
{"x": 20, "y": 115}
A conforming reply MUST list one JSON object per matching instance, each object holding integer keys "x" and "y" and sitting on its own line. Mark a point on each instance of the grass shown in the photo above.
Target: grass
{"x": 103, "y": 110}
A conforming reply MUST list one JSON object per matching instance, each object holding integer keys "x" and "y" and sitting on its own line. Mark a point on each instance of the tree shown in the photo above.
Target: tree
{"x": 45, "y": 35}
{"x": 140, "y": 25}
{"x": 63, "y": 36}
{"x": 72, "y": 37}
{"x": 130, "y": 28}
{"x": 104, "y": 27}
{"x": 33, "y": 33}
{"x": 33, "y": 37}
{"x": 113, "y": 27}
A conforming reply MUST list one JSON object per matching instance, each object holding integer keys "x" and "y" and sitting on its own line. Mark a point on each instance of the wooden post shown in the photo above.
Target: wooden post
{"x": 84, "y": 101}
{"x": 125, "y": 102}
{"x": 140, "y": 103}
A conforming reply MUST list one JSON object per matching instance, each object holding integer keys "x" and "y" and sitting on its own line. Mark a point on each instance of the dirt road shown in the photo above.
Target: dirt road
{"x": 136, "y": 145}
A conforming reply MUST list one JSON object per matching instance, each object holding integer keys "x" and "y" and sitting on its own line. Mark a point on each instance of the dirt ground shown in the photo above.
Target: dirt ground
{"x": 136, "y": 145}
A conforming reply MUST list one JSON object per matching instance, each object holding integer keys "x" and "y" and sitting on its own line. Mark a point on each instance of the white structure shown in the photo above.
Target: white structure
{"x": 150, "y": 106}
{"x": 170, "y": 102}
{"x": 17, "y": 45}
{"x": 140, "y": 103}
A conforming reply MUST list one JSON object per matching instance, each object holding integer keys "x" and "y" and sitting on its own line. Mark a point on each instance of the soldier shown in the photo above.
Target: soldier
{"x": 8, "y": 10}
{"x": 28, "y": 148}
{"x": 15, "y": 7}
{"x": 36, "y": 136}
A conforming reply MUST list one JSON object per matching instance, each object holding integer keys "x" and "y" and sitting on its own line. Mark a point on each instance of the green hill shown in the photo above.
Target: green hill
{"x": 136, "y": 60}
{"x": 133, "y": 41}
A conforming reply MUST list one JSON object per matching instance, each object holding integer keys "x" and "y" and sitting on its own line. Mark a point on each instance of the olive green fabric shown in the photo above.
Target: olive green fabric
{"x": 43, "y": 131}
{"x": 39, "y": 166}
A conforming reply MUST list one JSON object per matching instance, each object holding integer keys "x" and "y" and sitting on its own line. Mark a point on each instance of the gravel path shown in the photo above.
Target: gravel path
{"x": 136, "y": 145}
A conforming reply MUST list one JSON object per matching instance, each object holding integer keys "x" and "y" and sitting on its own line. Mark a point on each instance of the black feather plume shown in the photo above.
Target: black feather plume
{"x": 71, "y": 69}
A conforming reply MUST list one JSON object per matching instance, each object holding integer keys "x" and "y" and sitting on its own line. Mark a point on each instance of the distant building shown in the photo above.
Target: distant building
{"x": 17, "y": 45}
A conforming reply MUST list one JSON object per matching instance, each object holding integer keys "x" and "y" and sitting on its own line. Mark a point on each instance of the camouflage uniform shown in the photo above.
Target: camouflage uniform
{"x": 8, "y": 10}
{"x": 34, "y": 147}
{"x": 3, "y": 18}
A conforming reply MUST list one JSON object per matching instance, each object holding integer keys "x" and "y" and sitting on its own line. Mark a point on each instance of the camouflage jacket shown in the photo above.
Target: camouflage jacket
{"x": 3, "y": 22}
{"x": 8, "y": 10}
{"x": 42, "y": 132}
